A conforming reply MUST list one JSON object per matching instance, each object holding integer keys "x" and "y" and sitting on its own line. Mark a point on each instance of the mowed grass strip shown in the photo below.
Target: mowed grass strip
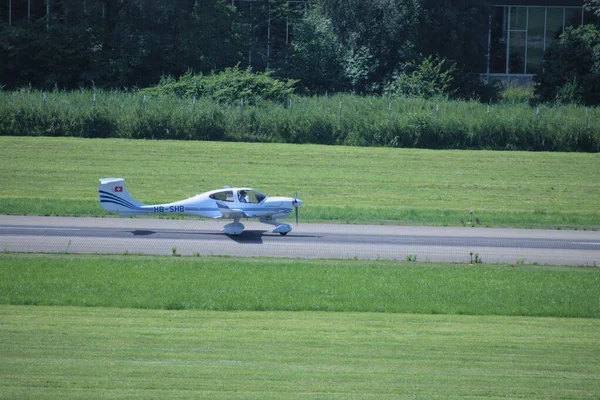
{"x": 249, "y": 284}
{"x": 59, "y": 176}
{"x": 70, "y": 352}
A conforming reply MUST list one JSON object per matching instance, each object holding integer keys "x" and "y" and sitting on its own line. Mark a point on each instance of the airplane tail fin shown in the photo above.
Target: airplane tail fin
{"x": 115, "y": 197}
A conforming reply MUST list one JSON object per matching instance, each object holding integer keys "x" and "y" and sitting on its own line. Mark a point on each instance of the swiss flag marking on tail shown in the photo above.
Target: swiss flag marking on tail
{"x": 118, "y": 188}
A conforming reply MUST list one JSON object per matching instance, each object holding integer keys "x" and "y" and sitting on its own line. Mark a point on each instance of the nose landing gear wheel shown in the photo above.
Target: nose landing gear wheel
{"x": 283, "y": 233}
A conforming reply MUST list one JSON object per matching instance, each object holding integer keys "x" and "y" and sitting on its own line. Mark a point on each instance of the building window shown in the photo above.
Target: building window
{"x": 535, "y": 39}
{"x": 517, "y": 37}
{"x": 554, "y": 23}
{"x": 499, "y": 33}
{"x": 520, "y": 36}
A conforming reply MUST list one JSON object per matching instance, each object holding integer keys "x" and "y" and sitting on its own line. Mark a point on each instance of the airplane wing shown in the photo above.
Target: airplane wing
{"x": 227, "y": 212}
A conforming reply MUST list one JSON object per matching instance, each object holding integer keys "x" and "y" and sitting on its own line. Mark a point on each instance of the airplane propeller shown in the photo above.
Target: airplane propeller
{"x": 295, "y": 204}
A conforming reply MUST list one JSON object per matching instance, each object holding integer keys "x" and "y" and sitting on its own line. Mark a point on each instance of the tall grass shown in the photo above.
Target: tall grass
{"x": 339, "y": 119}
{"x": 517, "y": 94}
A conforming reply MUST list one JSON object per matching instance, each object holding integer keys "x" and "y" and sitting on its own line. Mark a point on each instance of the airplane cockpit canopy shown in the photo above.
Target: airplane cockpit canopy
{"x": 250, "y": 196}
{"x": 244, "y": 196}
{"x": 224, "y": 195}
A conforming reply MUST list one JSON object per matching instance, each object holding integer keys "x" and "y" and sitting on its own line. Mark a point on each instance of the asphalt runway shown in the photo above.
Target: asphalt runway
{"x": 193, "y": 237}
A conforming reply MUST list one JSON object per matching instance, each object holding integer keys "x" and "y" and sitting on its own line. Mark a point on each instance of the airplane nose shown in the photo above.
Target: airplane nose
{"x": 297, "y": 202}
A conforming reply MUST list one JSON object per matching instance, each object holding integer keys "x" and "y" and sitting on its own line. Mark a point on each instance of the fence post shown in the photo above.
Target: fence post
{"x": 437, "y": 110}
{"x": 389, "y": 110}
{"x": 144, "y": 103}
{"x": 94, "y": 100}
{"x": 194, "y": 103}
{"x": 537, "y": 112}
{"x": 291, "y": 108}
{"x": 340, "y": 112}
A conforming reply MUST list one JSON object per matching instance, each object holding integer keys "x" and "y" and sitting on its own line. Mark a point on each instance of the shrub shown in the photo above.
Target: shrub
{"x": 229, "y": 86}
{"x": 517, "y": 94}
{"x": 432, "y": 77}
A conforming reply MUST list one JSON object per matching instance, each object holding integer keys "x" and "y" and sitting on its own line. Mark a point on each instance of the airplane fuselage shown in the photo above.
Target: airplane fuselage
{"x": 226, "y": 203}
{"x": 203, "y": 206}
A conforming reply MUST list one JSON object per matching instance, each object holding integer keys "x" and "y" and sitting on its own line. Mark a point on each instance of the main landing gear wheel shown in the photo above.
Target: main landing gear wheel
{"x": 280, "y": 227}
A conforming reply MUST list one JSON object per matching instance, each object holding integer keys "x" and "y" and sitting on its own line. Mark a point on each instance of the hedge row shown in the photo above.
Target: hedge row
{"x": 341, "y": 119}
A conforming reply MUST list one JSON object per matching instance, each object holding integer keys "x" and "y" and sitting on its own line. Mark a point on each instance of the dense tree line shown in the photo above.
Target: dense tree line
{"x": 396, "y": 47}
{"x": 332, "y": 45}
{"x": 115, "y": 43}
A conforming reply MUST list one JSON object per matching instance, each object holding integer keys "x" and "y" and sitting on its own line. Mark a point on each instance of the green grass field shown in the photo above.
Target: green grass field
{"x": 375, "y": 334}
{"x": 59, "y": 176}
{"x": 71, "y": 352}
{"x": 226, "y": 328}
{"x": 234, "y": 284}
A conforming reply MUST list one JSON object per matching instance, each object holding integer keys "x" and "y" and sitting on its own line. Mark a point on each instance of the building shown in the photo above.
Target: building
{"x": 521, "y": 30}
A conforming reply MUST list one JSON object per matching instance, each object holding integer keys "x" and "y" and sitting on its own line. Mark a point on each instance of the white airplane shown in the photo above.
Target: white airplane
{"x": 227, "y": 203}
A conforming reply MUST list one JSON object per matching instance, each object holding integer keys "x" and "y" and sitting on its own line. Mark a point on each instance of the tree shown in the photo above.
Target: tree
{"x": 317, "y": 54}
{"x": 594, "y": 6}
{"x": 364, "y": 45}
{"x": 571, "y": 68}
{"x": 376, "y": 35}
{"x": 150, "y": 38}
{"x": 456, "y": 30}
{"x": 44, "y": 57}
{"x": 117, "y": 43}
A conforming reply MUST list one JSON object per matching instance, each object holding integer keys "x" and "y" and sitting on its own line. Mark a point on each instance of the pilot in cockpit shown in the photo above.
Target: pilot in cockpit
{"x": 244, "y": 198}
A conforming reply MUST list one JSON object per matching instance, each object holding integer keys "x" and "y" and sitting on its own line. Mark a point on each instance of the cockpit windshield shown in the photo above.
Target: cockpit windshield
{"x": 251, "y": 196}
